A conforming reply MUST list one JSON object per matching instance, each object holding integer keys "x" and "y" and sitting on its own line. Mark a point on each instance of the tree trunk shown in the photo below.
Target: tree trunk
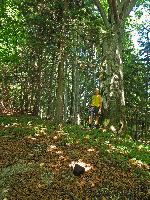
{"x": 112, "y": 80}
{"x": 50, "y": 106}
{"x": 75, "y": 96}
{"x": 60, "y": 87}
{"x": 112, "y": 73}
{"x": 66, "y": 95}
{"x": 72, "y": 92}
{"x": 38, "y": 86}
{"x": 59, "y": 111}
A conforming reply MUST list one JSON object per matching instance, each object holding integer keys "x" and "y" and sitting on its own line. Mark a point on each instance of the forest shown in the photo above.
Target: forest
{"x": 53, "y": 55}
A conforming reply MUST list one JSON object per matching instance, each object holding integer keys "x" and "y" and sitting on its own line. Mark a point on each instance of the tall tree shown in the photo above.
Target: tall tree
{"x": 114, "y": 13}
{"x": 59, "y": 111}
{"x": 145, "y": 54}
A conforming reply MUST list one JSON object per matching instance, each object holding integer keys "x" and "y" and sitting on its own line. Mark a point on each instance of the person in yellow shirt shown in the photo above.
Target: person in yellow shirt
{"x": 95, "y": 108}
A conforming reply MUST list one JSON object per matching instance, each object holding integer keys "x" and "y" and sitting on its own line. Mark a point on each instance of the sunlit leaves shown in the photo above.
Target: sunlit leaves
{"x": 12, "y": 33}
{"x": 42, "y": 163}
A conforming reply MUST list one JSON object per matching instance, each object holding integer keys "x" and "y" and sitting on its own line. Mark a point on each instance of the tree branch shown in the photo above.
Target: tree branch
{"x": 127, "y": 8}
{"x": 114, "y": 10}
{"x": 102, "y": 12}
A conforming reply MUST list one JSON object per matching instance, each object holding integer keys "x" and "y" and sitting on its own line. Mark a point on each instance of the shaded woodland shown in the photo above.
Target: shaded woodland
{"x": 53, "y": 54}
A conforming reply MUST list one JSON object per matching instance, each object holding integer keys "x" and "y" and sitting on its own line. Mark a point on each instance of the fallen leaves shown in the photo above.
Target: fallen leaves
{"x": 42, "y": 170}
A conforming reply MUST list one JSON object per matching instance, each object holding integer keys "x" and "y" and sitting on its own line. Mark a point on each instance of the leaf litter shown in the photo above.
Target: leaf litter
{"x": 40, "y": 167}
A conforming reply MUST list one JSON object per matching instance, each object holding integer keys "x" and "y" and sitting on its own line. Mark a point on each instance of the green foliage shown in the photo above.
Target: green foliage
{"x": 31, "y": 35}
{"x": 119, "y": 150}
{"x": 112, "y": 145}
{"x": 12, "y": 34}
{"x": 136, "y": 91}
{"x": 46, "y": 177}
{"x": 36, "y": 38}
{"x": 18, "y": 127}
{"x": 45, "y": 160}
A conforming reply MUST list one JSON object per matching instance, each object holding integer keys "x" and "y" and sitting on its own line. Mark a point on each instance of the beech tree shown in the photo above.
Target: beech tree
{"x": 54, "y": 54}
{"x": 114, "y": 14}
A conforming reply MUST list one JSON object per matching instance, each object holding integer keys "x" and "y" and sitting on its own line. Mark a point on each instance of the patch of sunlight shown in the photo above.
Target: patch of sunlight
{"x": 15, "y": 124}
{"x": 123, "y": 149}
{"x": 91, "y": 150}
{"x": 62, "y": 158}
{"x": 143, "y": 147}
{"x": 111, "y": 148}
{"x": 31, "y": 138}
{"x": 42, "y": 164}
{"x": 51, "y": 148}
{"x": 3, "y": 46}
{"x": 138, "y": 163}
{"x": 68, "y": 144}
{"x": 87, "y": 166}
{"x": 140, "y": 147}
{"x": 55, "y": 137}
{"x": 70, "y": 140}
{"x": 7, "y": 125}
{"x": 77, "y": 141}
{"x": 60, "y": 129}
{"x": 87, "y": 137}
{"x": 29, "y": 123}
{"x": 113, "y": 129}
{"x": 60, "y": 132}
{"x": 59, "y": 152}
{"x": 12, "y": 12}
{"x": 39, "y": 130}
{"x": 107, "y": 142}
{"x": 119, "y": 149}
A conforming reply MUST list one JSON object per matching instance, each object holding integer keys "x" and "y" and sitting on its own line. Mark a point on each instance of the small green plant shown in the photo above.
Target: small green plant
{"x": 47, "y": 177}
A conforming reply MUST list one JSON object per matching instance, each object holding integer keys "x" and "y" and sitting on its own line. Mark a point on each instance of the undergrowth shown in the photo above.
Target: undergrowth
{"x": 122, "y": 152}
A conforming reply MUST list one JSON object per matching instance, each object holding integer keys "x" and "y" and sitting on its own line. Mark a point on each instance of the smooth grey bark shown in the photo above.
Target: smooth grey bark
{"x": 112, "y": 66}
{"x": 112, "y": 81}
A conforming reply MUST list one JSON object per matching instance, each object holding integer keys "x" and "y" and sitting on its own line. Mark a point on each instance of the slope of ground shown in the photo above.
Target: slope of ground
{"x": 37, "y": 165}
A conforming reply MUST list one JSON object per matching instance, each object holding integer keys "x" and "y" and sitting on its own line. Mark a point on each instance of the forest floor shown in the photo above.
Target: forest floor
{"x": 35, "y": 162}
